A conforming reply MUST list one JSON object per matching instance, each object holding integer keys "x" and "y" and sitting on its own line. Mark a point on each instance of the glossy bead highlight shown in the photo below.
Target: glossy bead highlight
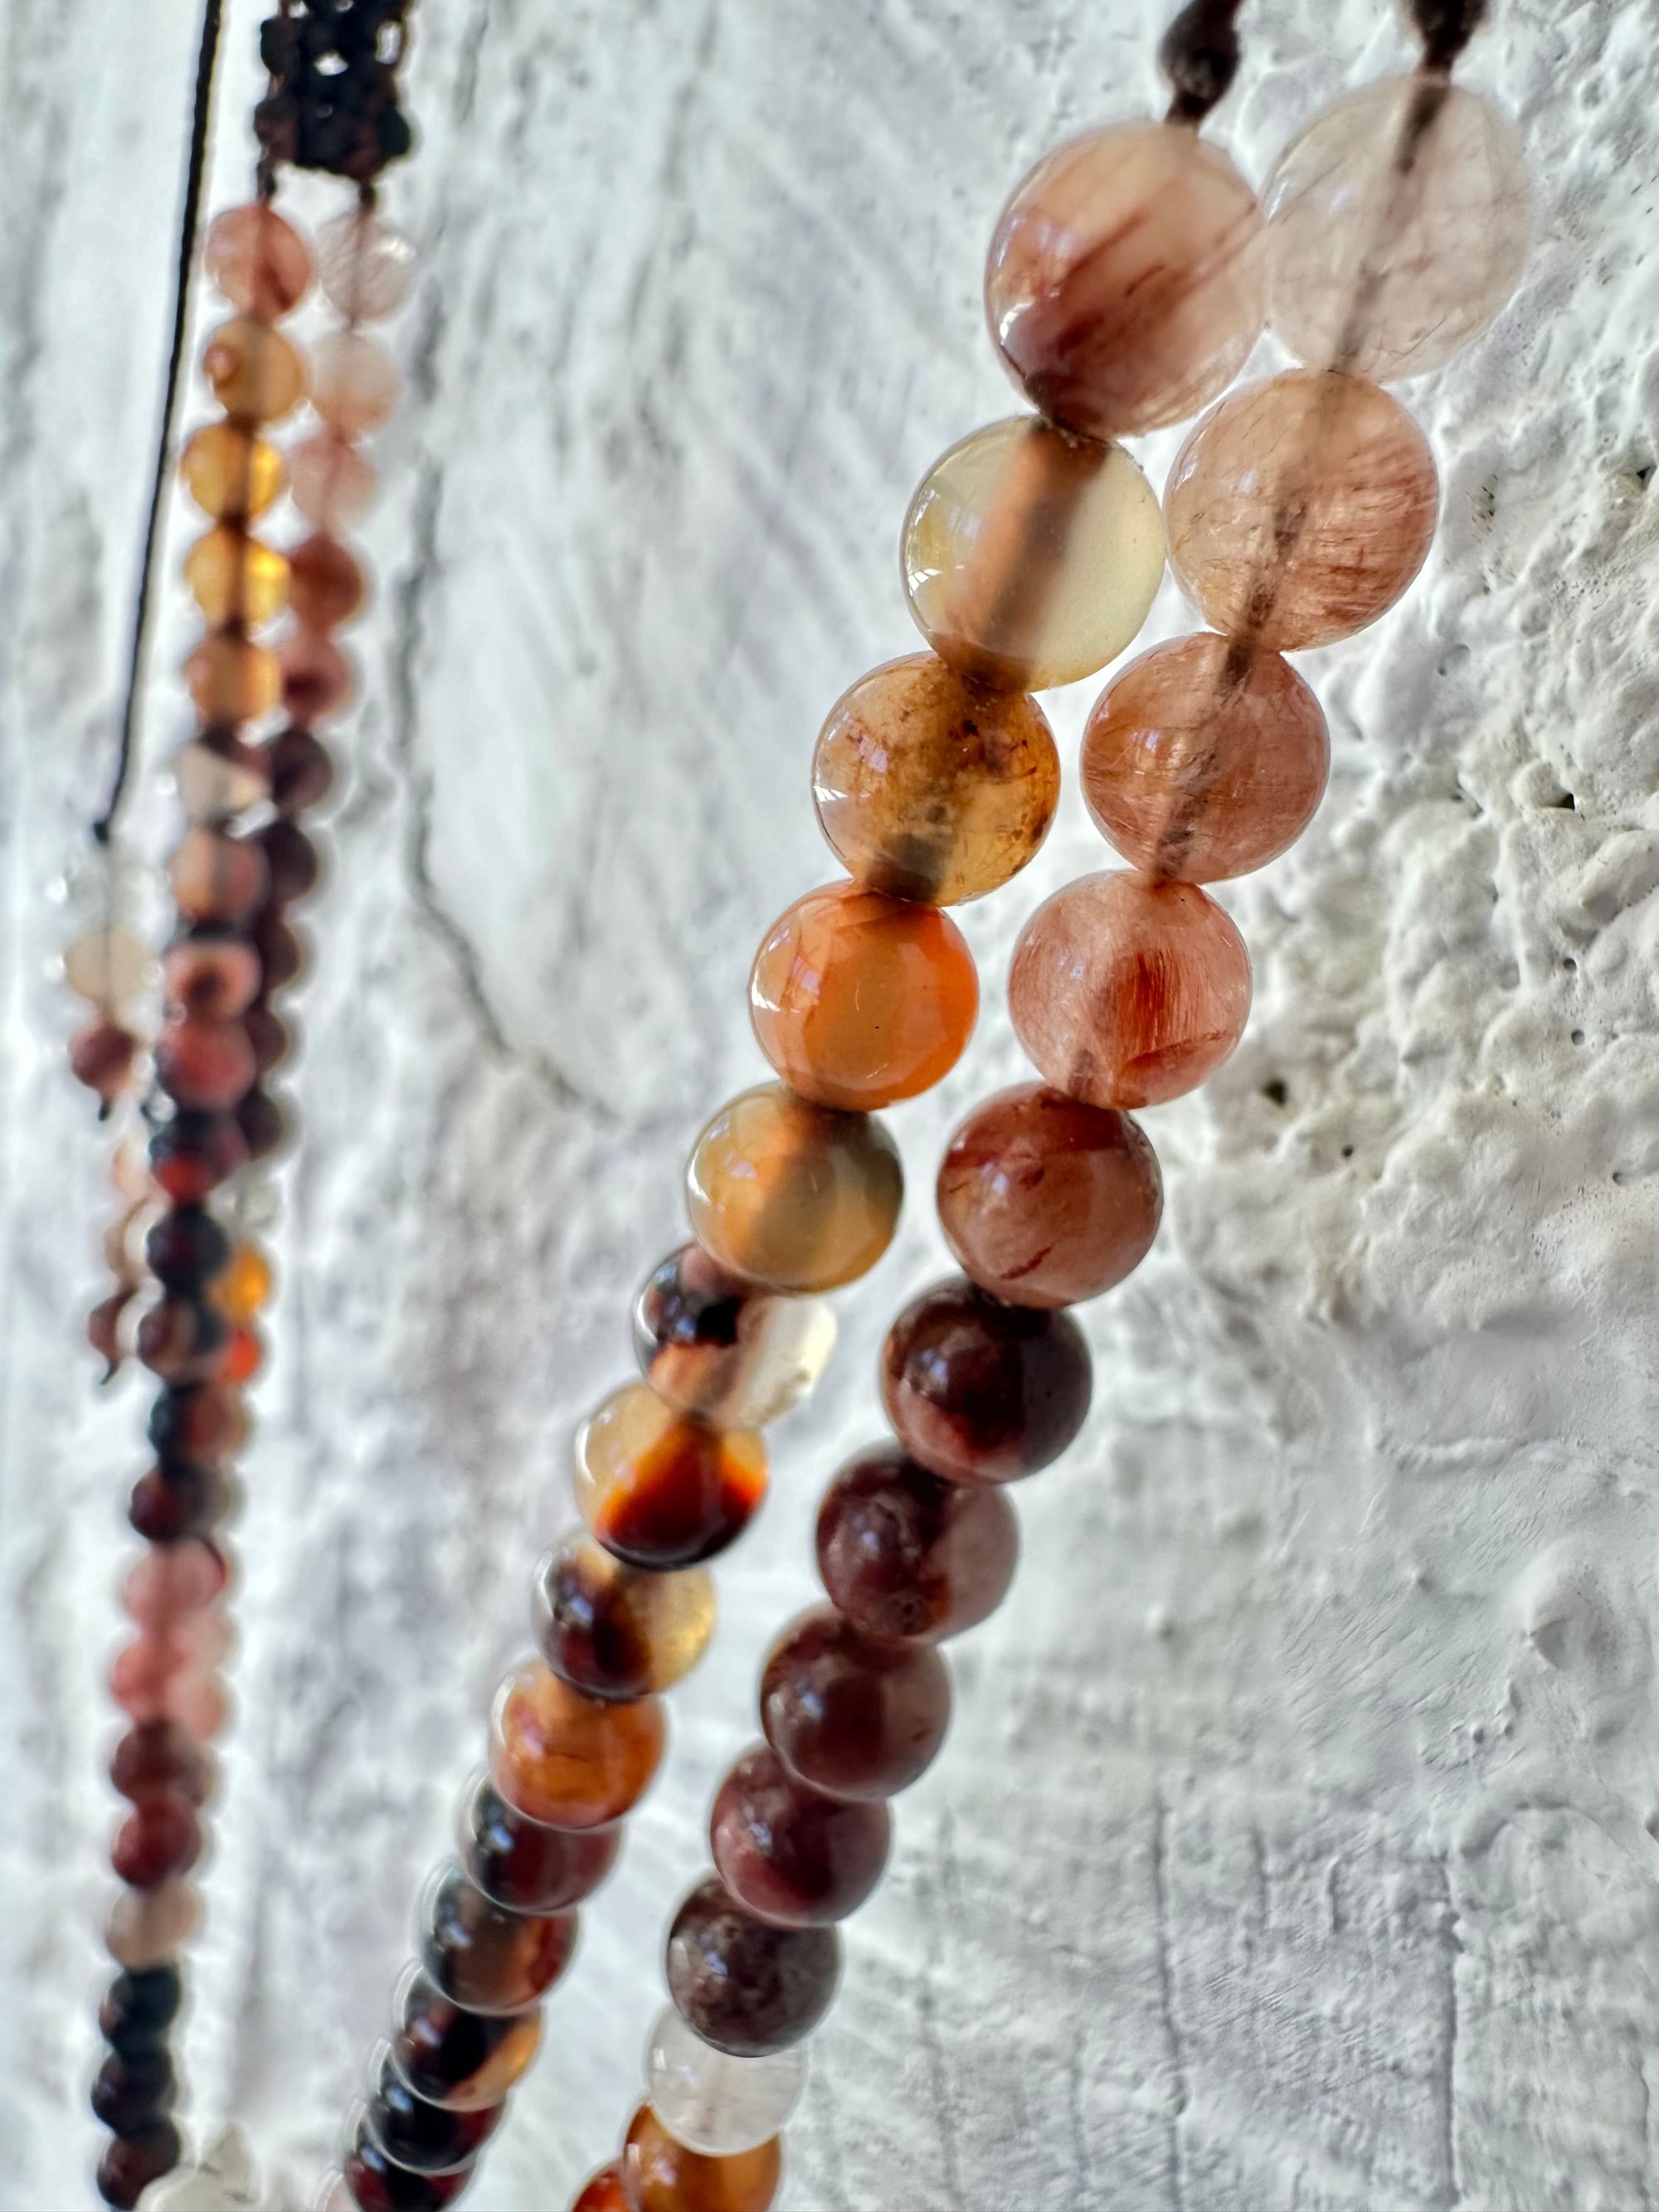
{"x": 466, "y": 2061}
{"x": 736, "y": 1355}
{"x": 616, "y": 1631}
{"x": 661, "y": 2174}
{"x": 790, "y": 1854}
{"x": 903, "y": 1552}
{"x": 661, "y": 1489}
{"x": 743, "y": 1985}
{"x": 525, "y": 1867}
{"x": 983, "y": 1392}
{"x": 567, "y": 1761}
{"x": 485, "y": 1957}
{"x": 850, "y": 1714}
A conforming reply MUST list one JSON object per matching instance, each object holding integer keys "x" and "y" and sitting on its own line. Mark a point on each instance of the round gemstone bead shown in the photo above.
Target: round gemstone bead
{"x": 1125, "y": 283}
{"x": 932, "y": 788}
{"x": 661, "y": 1489}
{"x": 525, "y": 1867}
{"x": 204, "y": 1064}
{"x": 217, "y": 775}
{"x": 131, "y": 2095}
{"x": 109, "y": 967}
{"x": 421, "y": 2138}
{"x": 376, "y": 2183}
{"x": 172, "y": 1502}
{"x": 148, "y": 1928}
{"x": 326, "y": 586}
{"x": 257, "y": 375}
{"x": 983, "y": 1392}
{"x": 790, "y": 1854}
{"x": 1046, "y": 1202}
{"x": 301, "y": 771}
{"x": 904, "y": 1553}
{"x": 131, "y": 2163}
{"x": 197, "y": 1424}
{"x": 1030, "y": 558}
{"x": 617, "y": 1631}
{"x": 182, "y": 1340}
{"x": 485, "y": 1957}
{"x": 316, "y": 677}
{"x": 103, "y": 1056}
{"x": 1387, "y": 267}
{"x": 466, "y": 2061}
{"x": 233, "y": 578}
{"x": 567, "y": 1761}
{"x": 1300, "y": 509}
{"x": 661, "y": 2174}
{"x": 231, "y": 472}
{"x": 1127, "y": 993}
{"x": 161, "y": 1759}
{"x": 354, "y": 384}
{"x": 186, "y": 1248}
{"x": 212, "y": 978}
{"x": 797, "y": 1196}
{"x": 365, "y": 265}
{"x": 332, "y": 483}
{"x": 243, "y": 1287}
{"x": 231, "y": 679}
{"x": 1203, "y": 760}
{"x": 603, "y": 2192}
{"x": 159, "y": 1839}
{"x": 193, "y": 1154}
{"x": 743, "y": 1985}
{"x": 139, "y": 2009}
{"x": 714, "y": 2103}
{"x": 724, "y": 1350}
{"x": 257, "y": 260}
{"x": 850, "y": 1714}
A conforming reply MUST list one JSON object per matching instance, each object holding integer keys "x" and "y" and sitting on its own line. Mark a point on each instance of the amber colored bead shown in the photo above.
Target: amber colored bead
{"x": 571, "y": 1762}
{"x": 245, "y": 1355}
{"x": 858, "y": 1000}
{"x": 903, "y": 1552}
{"x": 203, "y": 1064}
{"x": 616, "y": 1631}
{"x": 243, "y": 1289}
{"x": 1127, "y": 280}
{"x": 1029, "y": 558}
{"x": 931, "y": 786}
{"x": 790, "y": 1854}
{"x": 316, "y": 676}
{"x": 797, "y": 1196}
{"x": 1300, "y": 509}
{"x": 1128, "y": 993}
{"x": 602, "y": 2193}
{"x": 485, "y": 1957}
{"x": 661, "y": 2175}
{"x": 198, "y": 1423}
{"x": 257, "y": 260}
{"x": 171, "y": 1503}
{"x": 232, "y": 679}
{"x": 257, "y": 375}
{"x": 325, "y": 585}
{"x": 212, "y": 978}
{"x": 661, "y": 1489}
{"x": 138, "y": 2008}
{"x": 1046, "y": 1202}
{"x": 731, "y": 1353}
{"x": 292, "y": 859}
{"x": 232, "y": 577}
{"x": 983, "y": 1392}
{"x": 131, "y": 2163}
{"x": 231, "y": 472}
{"x": 376, "y": 2183}
{"x": 216, "y": 877}
{"x": 103, "y": 1057}
{"x": 160, "y": 1838}
{"x": 853, "y": 1715}
{"x": 332, "y": 484}
{"x": 301, "y": 771}
{"x": 466, "y": 2061}
{"x": 217, "y": 775}
{"x": 354, "y": 383}
{"x": 161, "y": 1759}
{"x": 148, "y": 1928}
{"x": 263, "y": 1123}
{"x": 193, "y": 1154}
{"x": 421, "y": 2138}
{"x": 525, "y": 1867}
{"x": 742, "y": 1984}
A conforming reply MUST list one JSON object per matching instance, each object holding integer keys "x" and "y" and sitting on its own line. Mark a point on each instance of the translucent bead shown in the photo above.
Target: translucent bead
{"x": 354, "y": 383}
{"x": 1127, "y": 993}
{"x": 217, "y": 775}
{"x": 243, "y": 1288}
{"x": 734, "y": 1355}
{"x": 1300, "y": 509}
{"x": 983, "y": 1392}
{"x": 792, "y": 1856}
{"x": 257, "y": 374}
{"x": 332, "y": 484}
{"x": 203, "y": 1064}
{"x": 1046, "y": 1202}
{"x": 745, "y": 1987}
{"x": 466, "y": 2062}
{"x": 212, "y": 978}
{"x": 215, "y": 878}
{"x": 376, "y": 2183}
{"x": 1386, "y": 267}
{"x": 109, "y": 967}
{"x": 232, "y": 474}
{"x": 793, "y": 1195}
{"x": 616, "y": 1631}
{"x": 1204, "y": 761}
{"x": 714, "y": 2103}
{"x": 424, "y": 2138}
{"x": 850, "y": 1714}
{"x": 326, "y": 585}
{"x": 232, "y": 679}
{"x": 487, "y": 1959}
{"x": 661, "y": 2174}
{"x": 1030, "y": 558}
{"x": 859, "y": 1000}
{"x": 159, "y": 1841}
{"x": 103, "y": 1056}
{"x": 161, "y": 1759}
{"x": 365, "y": 265}
{"x": 182, "y": 1341}
{"x": 258, "y": 261}
{"x": 148, "y": 1928}
{"x": 171, "y": 1581}
{"x": 317, "y": 678}
{"x": 661, "y": 1489}
{"x": 1125, "y": 283}
{"x": 232, "y": 577}
{"x": 567, "y": 1761}
{"x": 603, "y": 2192}
{"x": 931, "y": 786}
{"x": 525, "y": 1867}
{"x": 903, "y": 1552}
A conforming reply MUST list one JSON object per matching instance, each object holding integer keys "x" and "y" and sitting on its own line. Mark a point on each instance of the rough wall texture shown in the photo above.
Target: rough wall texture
{"x": 1295, "y": 1849}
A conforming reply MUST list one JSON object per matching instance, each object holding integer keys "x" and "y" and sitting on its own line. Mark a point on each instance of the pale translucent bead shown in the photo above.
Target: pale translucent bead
{"x": 1388, "y": 271}
{"x": 354, "y": 383}
{"x": 715, "y": 2103}
{"x": 366, "y": 265}
{"x": 1031, "y": 557}
{"x": 333, "y": 485}
{"x": 108, "y": 966}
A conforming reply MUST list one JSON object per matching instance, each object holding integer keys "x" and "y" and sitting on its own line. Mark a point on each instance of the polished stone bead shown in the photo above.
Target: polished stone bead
{"x": 661, "y": 1489}
{"x": 104, "y": 1057}
{"x": 466, "y": 2061}
{"x": 233, "y": 578}
{"x": 243, "y": 1289}
{"x": 172, "y": 1502}
{"x": 424, "y": 2138}
{"x": 790, "y": 1854}
{"x": 722, "y": 1349}
{"x": 797, "y": 1196}
{"x": 485, "y": 1957}
{"x": 232, "y": 679}
{"x": 133, "y": 2094}
{"x": 1125, "y": 283}
{"x": 1398, "y": 222}
{"x": 617, "y": 1631}
{"x": 1128, "y": 992}
{"x": 148, "y": 1928}
{"x": 159, "y": 1839}
{"x": 525, "y": 1867}
{"x": 1030, "y": 558}
{"x": 316, "y": 677}
{"x": 217, "y": 879}
{"x": 139, "y": 2008}
{"x": 186, "y": 1248}
{"x": 301, "y": 771}
{"x": 1046, "y": 1202}
{"x": 264, "y": 1124}
{"x": 205, "y": 1065}
{"x": 714, "y": 2103}
{"x": 365, "y": 265}
{"x": 282, "y": 951}
{"x": 661, "y": 2174}
{"x": 333, "y": 485}
{"x": 182, "y": 1339}
{"x": 218, "y": 775}
{"x": 354, "y": 384}
{"x": 161, "y": 1759}
{"x": 1300, "y": 509}
{"x": 743, "y": 1985}
{"x": 903, "y": 1552}
{"x": 850, "y": 1714}
{"x": 197, "y": 1424}
{"x": 294, "y": 863}
{"x": 376, "y": 2183}
{"x": 257, "y": 374}
{"x": 193, "y": 1154}
{"x": 109, "y": 967}
{"x": 326, "y": 586}
{"x": 603, "y": 2192}
{"x": 571, "y": 1762}
{"x": 211, "y": 977}
{"x": 983, "y": 1392}
{"x": 131, "y": 2163}
{"x": 257, "y": 260}
{"x": 231, "y": 472}
{"x": 931, "y": 786}
{"x": 859, "y": 1000}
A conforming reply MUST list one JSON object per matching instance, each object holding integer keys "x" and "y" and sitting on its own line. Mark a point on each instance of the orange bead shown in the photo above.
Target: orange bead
{"x": 325, "y": 585}
{"x": 230, "y": 473}
{"x": 660, "y": 2175}
{"x": 244, "y": 1286}
{"x": 604, "y": 2193}
{"x": 232, "y": 577}
{"x": 663, "y": 1490}
{"x": 859, "y": 999}
{"x": 257, "y": 375}
{"x": 245, "y": 1355}
{"x": 567, "y": 1761}
{"x": 232, "y": 679}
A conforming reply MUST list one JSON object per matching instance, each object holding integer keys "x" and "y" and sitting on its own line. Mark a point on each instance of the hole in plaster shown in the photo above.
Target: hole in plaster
{"x": 1347, "y": 1151}
{"x": 1569, "y": 963}
{"x": 1564, "y": 800}
{"x": 1578, "y": 1037}
{"x": 1278, "y": 1090}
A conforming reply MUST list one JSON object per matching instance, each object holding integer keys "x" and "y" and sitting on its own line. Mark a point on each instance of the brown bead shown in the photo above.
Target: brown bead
{"x": 489, "y": 1960}
{"x": 567, "y": 1760}
{"x": 216, "y": 877}
{"x": 212, "y": 978}
{"x": 133, "y": 2094}
{"x": 932, "y": 788}
{"x": 301, "y": 771}
{"x": 193, "y": 1154}
{"x": 268, "y": 1036}
{"x": 217, "y": 775}
{"x": 204, "y": 1064}
{"x": 182, "y": 1340}
{"x": 326, "y": 584}
{"x": 1126, "y": 280}
{"x": 1300, "y": 509}
{"x": 263, "y": 1123}
{"x": 1045, "y": 1201}
{"x": 661, "y": 1489}
{"x": 102, "y": 1056}
{"x": 281, "y": 949}
{"x": 292, "y": 859}
{"x": 423, "y": 2138}
{"x": 903, "y": 1552}
{"x": 374, "y": 2182}
{"x": 983, "y": 1392}
{"x": 797, "y": 1196}
{"x": 131, "y": 2163}
{"x": 853, "y": 1715}
{"x": 858, "y": 1000}
{"x": 233, "y": 578}
{"x": 1128, "y": 993}
{"x": 257, "y": 375}
{"x": 172, "y": 1502}
{"x": 616, "y": 1632}
{"x": 316, "y": 676}
{"x": 232, "y": 679}
{"x": 661, "y": 2175}
{"x": 257, "y": 260}
{"x": 231, "y": 472}
{"x": 525, "y": 1867}
{"x": 724, "y": 1350}
{"x": 603, "y": 2192}
{"x": 745, "y": 1986}
{"x": 199, "y": 1422}
{"x": 464, "y": 2061}
{"x": 148, "y": 1928}
{"x": 161, "y": 1759}
{"x": 789, "y": 1854}
{"x": 160, "y": 1838}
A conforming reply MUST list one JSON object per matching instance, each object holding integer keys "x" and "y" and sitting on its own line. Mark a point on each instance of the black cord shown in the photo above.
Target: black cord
{"x": 206, "y": 64}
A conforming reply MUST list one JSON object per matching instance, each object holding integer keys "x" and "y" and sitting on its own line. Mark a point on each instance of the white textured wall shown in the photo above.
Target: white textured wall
{"x": 1293, "y": 1851}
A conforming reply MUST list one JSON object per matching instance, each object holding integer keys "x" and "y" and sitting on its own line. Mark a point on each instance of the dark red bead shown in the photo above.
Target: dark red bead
{"x": 292, "y": 859}
{"x": 268, "y": 1035}
{"x": 197, "y": 1424}
{"x": 161, "y": 1759}
{"x": 132, "y": 2095}
{"x": 193, "y": 1153}
{"x": 904, "y": 1553}
{"x": 172, "y": 1502}
{"x": 161, "y": 1837}
{"x": 183, "y": 1340}
{"x": 527, "y": 1867}
{"x": 281, "y": 951}
{"x": 789, "y": 1854}
{"x": 464, "y": 2061}
{"x": 301, "y": 771}
{"x": 206, "y": 1065}
{"x": 102, "y": 1056}
{"x": 982, "y": 1392}
{"x": 743, "y": 1985}
{"x": 186, "y": 1248}
{"x": 376, "y": 2184}
{"x": 131, "y": 2164}
{"x": 853, "y": 1715}
{"x": 263, "y": 1123}
{"x": 423, "y": 2138}
{"x": 211, "y": 976}
{"x": 486, "y": 1958}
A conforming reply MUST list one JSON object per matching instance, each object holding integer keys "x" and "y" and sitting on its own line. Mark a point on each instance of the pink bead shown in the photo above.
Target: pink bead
{"x": 171, "y": 1581}
{"x": 354, "y": 384}
{"x": 331, "y": 483}
{"x": 143, "y": 1674}
{"x": 258, "y": 261}
{"x": 197, "y": 1702}
{"x": 316, "y": 676}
